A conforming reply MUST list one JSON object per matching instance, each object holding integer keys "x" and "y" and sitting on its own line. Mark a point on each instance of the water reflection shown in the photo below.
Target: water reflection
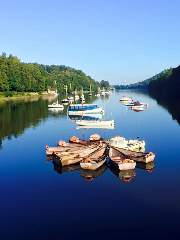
{"x": 88, "y": 175}
{"x": 149, "y": 167}
{"x": 15, "y": 117}
{"x": 172, "y": 106}
{"x": 125, "y": 176}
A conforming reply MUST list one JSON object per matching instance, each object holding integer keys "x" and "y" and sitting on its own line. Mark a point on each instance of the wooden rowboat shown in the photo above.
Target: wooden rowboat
{"x": 95, "y": 160}
{"x": 138, "y": 156}
{"x": 74, "y": 156}
{"x": 120, "y": 160}
{"x": 67, "y": 148}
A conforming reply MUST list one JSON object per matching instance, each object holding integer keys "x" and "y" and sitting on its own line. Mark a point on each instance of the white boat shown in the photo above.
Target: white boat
{"x": 126, "y": 99}
{"x": 56, "y": 105}
{"x": 65, "y": 101}
{"x": 80, "y": 109}
{"x": 95, "y": 124}
{"x": 133, "y": 145}
{"x": 138, "y": 106}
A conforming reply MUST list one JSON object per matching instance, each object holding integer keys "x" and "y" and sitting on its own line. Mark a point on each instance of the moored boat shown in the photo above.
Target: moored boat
{"x": 80, "y": 109}
{"x": 75, "y": 156}
{"x": 65, "y": 101}
{"x": 66, "y": 148}
{"x": 133, "y": 145}
{"x": 95, "y": 160}
{"x": 120, "y": 160}
{"x": 56, "y": 105}
{"x": 126, "y": 99}
{"x": 138, "y": 156}
{"x": 95, "y": 124}
{"x": 138, "y": 106}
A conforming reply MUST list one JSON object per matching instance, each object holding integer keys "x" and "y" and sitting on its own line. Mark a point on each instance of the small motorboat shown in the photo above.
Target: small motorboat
{"x": 120, "y": 160}
{"x": 56, "y": 105}
{"x": 95, "y": 124}
{"x": 95, "y": 160}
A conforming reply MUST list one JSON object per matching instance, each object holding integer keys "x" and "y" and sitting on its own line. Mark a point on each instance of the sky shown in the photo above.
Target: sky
{"x": 122, "y": 41}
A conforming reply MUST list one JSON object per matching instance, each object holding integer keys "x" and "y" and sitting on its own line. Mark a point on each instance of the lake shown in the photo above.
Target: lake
{"x": 41, "y": 201}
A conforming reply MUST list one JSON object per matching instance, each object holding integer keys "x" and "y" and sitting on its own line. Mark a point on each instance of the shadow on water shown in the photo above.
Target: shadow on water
{"x": 16, "y": 116}
{"x": 171, "y": 105}
{"x": 88, "y": 175}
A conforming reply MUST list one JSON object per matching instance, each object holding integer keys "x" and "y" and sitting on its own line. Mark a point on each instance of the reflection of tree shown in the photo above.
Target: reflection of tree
{"x": 171, "y": 104}
{"x": 17, "y": 116}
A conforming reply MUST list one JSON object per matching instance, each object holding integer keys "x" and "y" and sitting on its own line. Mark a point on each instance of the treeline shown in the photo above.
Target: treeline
{"x": 167, "y": 87}
{"x": 145, "y": 84}
{"x": 32, "y": 77}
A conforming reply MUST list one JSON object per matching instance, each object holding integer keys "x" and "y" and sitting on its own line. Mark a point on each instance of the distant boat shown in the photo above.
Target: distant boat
{"x": 95, "y": 124}
{"x": 138, "y": 106}
{"x": 56, "y": 105}
{"x": 70, "y": 99}
{"x": 82, "y": 98}
{"x": 65, "y": 101}
{"x": 80, "y": 109}
{"x": 126, "y": 99}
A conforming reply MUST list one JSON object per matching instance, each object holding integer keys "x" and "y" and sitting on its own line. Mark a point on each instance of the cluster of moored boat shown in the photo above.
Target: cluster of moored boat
{"x": 133, "y": 105}
{"x": 93, "y": 153}
{"x": 89, "y": 116}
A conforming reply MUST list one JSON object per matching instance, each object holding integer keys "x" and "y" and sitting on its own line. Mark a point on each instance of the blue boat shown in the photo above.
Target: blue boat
{"x": 80, "y": 109}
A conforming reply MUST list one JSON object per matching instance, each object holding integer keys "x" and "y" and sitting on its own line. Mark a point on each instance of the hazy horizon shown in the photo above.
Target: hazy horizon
{"x": 119, "y": 41}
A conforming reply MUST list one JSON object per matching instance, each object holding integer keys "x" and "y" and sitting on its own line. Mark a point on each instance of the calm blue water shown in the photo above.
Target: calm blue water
{"x": 40, "y": 202}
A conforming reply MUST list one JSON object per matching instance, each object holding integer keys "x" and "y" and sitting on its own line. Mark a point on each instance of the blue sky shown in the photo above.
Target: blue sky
{"x": 122, "y": 41}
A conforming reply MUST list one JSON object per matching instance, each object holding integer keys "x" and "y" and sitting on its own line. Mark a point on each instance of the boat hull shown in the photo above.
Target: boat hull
{"x": 126, "y": 166}
{"x": 91, "y": 165}
{"x": 98, "y": 124}
{"x": 92, "y": 111}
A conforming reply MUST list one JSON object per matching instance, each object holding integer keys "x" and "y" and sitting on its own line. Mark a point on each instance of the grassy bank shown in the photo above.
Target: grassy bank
{"x": 21, "y": 96}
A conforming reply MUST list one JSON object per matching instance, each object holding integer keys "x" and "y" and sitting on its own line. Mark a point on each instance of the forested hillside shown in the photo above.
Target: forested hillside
{"x": 32, "y": 77}
{"x": 145, "y": 84}
{"x": 167, "y": 88}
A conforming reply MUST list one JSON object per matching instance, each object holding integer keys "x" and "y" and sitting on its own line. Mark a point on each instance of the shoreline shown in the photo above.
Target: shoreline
{"x": 25, "y": 96}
